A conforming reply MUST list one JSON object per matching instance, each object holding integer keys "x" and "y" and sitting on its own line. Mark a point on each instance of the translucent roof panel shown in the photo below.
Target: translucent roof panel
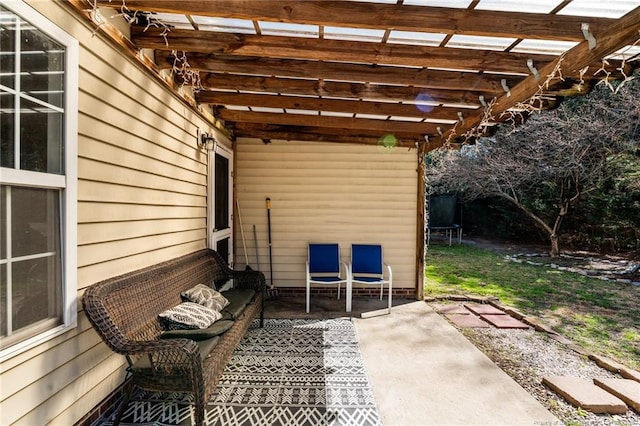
{"x": 626, "y": 53}
{"x": 477, "y": 42}
{"x": 412, "y": 37}
{"x": 537, "y": 6}
{"x": 356, "y": 34}
{"x": 377, "y": 1}
{"x": 302, "y": 111}
{"x": 243, "y": 26}
{"x": 336, "y": 114}
{"x": 543, "y": 46}
{"x": 603, "y": 9}
{"x": 172, "y": 20}
{"x": 290, "y": 30}
{"x": 401, "y": 118}
{"x": 266, "y": 109}
{"x": 237, "y": 108}
{"x": 462, "y": 4}
{"x": 372, "y": 116}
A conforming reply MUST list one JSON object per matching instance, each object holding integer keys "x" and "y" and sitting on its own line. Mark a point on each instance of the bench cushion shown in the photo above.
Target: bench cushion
{"x": 215, "y": 329}
{"x": 204, "y": 347}
{"x": 238, "y": 299}
{"x": 188, "y": 315}
{"x": 205, "y": 296}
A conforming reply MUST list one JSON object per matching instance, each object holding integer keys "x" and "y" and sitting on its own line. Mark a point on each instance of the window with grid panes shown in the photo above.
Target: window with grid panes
{"x": 38, "y": 114}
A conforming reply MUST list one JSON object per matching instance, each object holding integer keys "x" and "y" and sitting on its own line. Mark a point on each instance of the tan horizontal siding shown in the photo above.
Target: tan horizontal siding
{"x": 92, "y": 233}
{"x": 142, "y": 199}
{"x": 323, "y": 192}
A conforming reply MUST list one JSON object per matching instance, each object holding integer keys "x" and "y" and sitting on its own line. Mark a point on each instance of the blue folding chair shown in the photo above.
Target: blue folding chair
{"x": 367, "y": 268}
{"x": 323, "y": 267}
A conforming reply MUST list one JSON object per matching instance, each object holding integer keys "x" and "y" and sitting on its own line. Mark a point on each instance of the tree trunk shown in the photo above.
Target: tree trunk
{"x": 555, "y": 248}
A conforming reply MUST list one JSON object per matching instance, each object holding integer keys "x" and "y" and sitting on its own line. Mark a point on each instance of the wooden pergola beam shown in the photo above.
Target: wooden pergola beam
{"x": 296, "y": 86}
{"x": 283, "y": 132}
{"x": 344, "y": 123}
{"x": 622, "y": 32}
{"x": 383, "y": 16}
{"x": 320, "y": 104}
{"x": 436, "y": 79}
{"x": 334, "y": 50}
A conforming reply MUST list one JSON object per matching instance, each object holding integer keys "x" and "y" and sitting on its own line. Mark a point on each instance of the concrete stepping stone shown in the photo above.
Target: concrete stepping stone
{"x": 484, "y": 309}
{"x": 452, "y": 309}
{"x": 467, "y": 321}
{"x": 628, "y": 373}
{"x": 626, "y": 389}
{"x": 606, "y": 363}
{"x": 504, "y": 321}
{"x": 585, "y": 394}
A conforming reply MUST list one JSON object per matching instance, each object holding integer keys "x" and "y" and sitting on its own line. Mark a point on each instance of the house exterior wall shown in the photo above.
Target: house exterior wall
{"x": 142, "y": 199}
{"x": 326, "y": 192}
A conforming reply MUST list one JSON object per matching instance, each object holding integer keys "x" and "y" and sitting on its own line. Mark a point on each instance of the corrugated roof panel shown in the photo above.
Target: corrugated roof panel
{"x": 356, "y": 34}
{"x": 336, "y": 114}
{"x": 626, "y": 53}
{"x": 173, "y": 20}
{"x": 237, "y": 108}
{"x": 266, "y": 109}
{"x": 243, "y": 26}
{"x": 400, "y": 118}
{"x": 604, "y": 9}
{"x": 291, "y": 30}
{"x": 543, "y": 46}
{"x": 478, "y": 42}
{"x": 413, "y": 37}
{"x": 461, "y": 4}
{"x": 301, "y": 111}
{"x": 537, "y": 6}
{"x": 372, "y": 116}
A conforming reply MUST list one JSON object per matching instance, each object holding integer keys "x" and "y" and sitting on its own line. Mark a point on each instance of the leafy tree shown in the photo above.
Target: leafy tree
{"x": 555, "y": 159}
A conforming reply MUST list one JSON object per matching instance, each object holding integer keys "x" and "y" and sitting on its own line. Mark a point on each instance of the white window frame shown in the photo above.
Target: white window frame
{"x": 68, "y": 182}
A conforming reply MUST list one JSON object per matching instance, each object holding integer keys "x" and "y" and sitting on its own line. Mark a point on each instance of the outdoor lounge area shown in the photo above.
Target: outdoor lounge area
{"x": 135, "y": 134}
{"x": 424, "y": 372}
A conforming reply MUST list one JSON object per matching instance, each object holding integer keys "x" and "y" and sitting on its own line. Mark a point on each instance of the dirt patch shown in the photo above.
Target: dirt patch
{"x": 623, "y": 268}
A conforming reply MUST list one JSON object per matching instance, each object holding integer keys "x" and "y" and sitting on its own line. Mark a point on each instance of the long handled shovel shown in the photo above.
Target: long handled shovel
{"x": 244, "y": 244}
{"x": 272, "y": 291}
{"x": 255, "y": 241}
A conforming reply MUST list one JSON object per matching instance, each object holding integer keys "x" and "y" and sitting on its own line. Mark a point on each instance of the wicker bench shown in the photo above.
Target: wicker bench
{"x": 124, "y": 311}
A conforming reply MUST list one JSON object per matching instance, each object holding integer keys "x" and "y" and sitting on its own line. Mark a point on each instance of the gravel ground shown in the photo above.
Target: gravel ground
{"x": 527, "y": 356}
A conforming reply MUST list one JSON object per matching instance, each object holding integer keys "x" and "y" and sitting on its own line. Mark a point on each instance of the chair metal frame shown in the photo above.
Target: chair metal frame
{"x": 324, "y": 269}
{"x": 368, "y": 274}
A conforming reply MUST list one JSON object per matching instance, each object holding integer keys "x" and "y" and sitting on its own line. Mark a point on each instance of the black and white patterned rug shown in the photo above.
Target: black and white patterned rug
{"x": 291, "y": 372}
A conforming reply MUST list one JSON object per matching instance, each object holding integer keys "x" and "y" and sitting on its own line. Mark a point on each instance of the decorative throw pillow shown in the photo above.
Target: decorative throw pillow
{"x": 205, "y": 296}
{"x": 188, "y": 315}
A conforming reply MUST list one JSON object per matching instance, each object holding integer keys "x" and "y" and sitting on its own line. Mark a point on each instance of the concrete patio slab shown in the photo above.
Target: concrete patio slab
{"x": 423, "y": 371}
{"x": 504, "y": 321}
{"x": 626, "y": 389}
{"x": 467, "y": 321}
{"x": 451, "y": 309}
{"x": 484, "y": 309}
{"x": 584, "y": 393}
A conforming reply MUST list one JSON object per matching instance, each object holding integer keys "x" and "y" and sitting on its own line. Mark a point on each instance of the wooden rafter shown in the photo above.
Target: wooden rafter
{"x": 436, "y": 79}
{"x": 346, "y": 123}
{"x": 318, "y": 104}
{"x": 314, "y": 87}
{"x": 383, "y": 16}
{"x": 622, "y": 32}
{"x": 309, "y": 79}
{"x": 334, "y": 50}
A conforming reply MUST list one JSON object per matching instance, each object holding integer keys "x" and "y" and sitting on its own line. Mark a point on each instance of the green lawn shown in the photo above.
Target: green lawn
{"x": 601, "y": 316}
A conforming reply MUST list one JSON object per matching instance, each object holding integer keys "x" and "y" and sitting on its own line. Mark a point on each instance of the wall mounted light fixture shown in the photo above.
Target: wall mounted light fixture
{"x": 207, "y": 141}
